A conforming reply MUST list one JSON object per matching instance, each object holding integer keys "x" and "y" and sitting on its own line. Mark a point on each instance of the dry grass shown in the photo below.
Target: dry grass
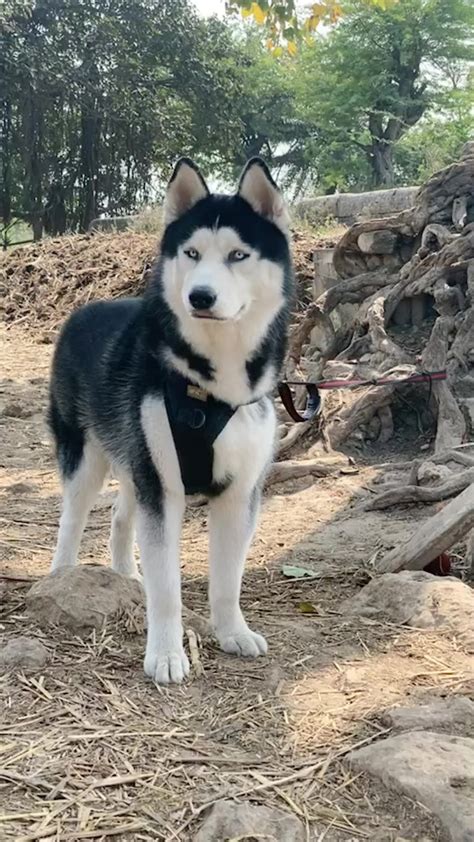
{"x": 89, "y": 749}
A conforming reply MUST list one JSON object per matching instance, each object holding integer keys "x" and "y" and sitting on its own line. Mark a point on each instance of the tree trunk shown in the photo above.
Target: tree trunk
{"x": 5, "y": 189}
{"x": 381, "y": 162}
{"x": 89, "y": 165}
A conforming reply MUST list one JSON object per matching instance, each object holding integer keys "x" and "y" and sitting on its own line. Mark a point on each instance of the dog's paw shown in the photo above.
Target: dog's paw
{"x": 167, "y": 667}
{"x": 244, "y": 642}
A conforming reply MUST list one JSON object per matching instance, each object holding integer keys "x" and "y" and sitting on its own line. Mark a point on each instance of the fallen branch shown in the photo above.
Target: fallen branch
{"x": 282, "y": 471}
{"x": 364, "y": 407}
{"x": 378, "y": 335}
{"x": 453, "y": 456}
{"x": 420, "y": 494}
{"x": 294, "y": 433}
{"x": 436, "y": 535}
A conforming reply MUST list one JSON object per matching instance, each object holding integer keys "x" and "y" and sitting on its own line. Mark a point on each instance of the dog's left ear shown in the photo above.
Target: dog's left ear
{"x": 257, "y": 187}
{"x": 185, "y": 187}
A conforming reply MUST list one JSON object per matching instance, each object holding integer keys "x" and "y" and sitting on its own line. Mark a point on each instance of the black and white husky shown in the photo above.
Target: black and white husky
{"x": 171, "y": 392}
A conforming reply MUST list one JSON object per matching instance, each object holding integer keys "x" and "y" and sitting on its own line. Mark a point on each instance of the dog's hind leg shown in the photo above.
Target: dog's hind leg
{"x": 232, "y": 524}
{"x": 123, "y": 532}
{"x": 82, "y": 484}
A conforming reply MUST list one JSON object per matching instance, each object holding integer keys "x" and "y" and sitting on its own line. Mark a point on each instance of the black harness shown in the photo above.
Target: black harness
{"x": 196, "y": 419}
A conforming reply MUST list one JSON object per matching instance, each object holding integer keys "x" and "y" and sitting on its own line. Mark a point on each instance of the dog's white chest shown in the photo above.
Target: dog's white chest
{"x": 245, "y": 445}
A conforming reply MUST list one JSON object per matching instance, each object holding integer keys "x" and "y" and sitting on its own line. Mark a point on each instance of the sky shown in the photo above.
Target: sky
{"x": 210, "y": 7}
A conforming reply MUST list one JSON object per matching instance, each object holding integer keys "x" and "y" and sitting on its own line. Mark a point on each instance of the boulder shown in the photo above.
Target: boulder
{"x": 83, "y": 597}
{"x": 23, "y": 653}
{"x": 439, "y": 713}
{"x": 436, "y": 770}
{"x": 418, "y": 599}
{"x": 230, "y": 820}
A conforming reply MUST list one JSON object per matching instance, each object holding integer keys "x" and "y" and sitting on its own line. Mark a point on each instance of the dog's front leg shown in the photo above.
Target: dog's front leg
{"x": 158, "y": 534}
{"x": 232, "y": 524}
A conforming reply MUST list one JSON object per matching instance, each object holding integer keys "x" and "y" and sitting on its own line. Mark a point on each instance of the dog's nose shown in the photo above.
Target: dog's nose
{"x": 202, "y": 298}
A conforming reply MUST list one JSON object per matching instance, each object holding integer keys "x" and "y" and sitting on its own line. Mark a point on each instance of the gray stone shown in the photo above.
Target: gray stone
{"x": 440, "y": 713}
{"x": 377, "y": 242}
{"x": 230, "y": 820}
{"x": 418, "y": 599}
{"x": 83, "y": 597}
{"x": 429, "y": 473}
{"x": 25, "y": 653}
{"x": 436, "y": 770}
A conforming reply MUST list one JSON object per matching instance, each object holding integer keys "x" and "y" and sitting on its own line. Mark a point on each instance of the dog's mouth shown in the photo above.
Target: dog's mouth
{"x": 205, "y": 314}
{"x": 211, "y": 317}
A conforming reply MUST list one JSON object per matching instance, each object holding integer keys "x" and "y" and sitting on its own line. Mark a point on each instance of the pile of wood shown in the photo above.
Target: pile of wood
{"x": 409, "y": 276}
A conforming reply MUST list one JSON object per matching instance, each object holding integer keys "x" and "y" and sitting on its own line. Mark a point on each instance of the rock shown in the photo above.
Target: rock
{"x": 25, "y": 653}
{"x": 429, "y": 473}
{"x": 230, "y": 820}
{"x": 440, "y": 713}
{"x": 418, "y": 599}
{"x": 377, "y": 242}
{"x": 435, "y": 769}
{"x": 83, "y": 597}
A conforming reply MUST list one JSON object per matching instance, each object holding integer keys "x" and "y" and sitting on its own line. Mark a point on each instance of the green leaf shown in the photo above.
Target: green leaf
{"x": 308, "y": 608}
{"x": 294, "y": 572}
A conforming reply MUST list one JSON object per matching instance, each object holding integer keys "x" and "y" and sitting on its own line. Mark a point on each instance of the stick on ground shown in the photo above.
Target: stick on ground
{"x": 436, "y": 535}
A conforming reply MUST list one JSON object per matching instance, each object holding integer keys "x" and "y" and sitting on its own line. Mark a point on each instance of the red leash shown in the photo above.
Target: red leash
{"x": 313, "y": 403}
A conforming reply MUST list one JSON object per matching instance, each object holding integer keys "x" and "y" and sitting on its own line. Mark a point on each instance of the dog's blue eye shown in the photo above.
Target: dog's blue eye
{"x": 236, "y": 255}
{"x": 192, "y": 253}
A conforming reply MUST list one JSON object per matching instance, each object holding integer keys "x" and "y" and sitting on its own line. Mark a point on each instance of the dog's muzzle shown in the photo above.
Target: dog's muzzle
{"x": 202, "y": 300}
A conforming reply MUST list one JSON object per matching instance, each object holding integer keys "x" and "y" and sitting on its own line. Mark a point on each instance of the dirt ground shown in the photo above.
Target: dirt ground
{"x": 91, "y": 749}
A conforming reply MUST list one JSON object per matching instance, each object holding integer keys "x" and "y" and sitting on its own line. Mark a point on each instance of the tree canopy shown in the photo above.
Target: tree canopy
{"x": 99, "y": 97}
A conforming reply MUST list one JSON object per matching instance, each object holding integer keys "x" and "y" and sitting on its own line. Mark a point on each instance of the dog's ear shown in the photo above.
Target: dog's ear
{"x": 258, "y": 188}
{"x": 185, "y": 187}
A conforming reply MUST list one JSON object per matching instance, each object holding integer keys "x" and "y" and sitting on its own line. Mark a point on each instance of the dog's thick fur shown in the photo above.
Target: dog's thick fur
{"x": 216, "y": 312}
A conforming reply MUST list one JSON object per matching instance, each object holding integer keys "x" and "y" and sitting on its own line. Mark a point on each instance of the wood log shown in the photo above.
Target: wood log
{"x": 419, "y": 494}
{"x": 342, "y": 425}
{"x": 294, "y": 434}
{"x": 380, "y": 340}
{"x": 451, "y": 427}
{"x": 282, "y": 471}
{"x": 300, "y": 335}
{"x": 436, "y": 535}
{"x": 354, "y": 290}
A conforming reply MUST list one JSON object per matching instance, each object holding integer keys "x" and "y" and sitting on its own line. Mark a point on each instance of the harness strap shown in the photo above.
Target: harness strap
{"x": 313, "y": 402}
{"x": 196, "y": 419}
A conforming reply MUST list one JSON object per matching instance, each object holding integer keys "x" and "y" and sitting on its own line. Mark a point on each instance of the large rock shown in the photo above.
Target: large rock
{"x": 435, "y": 769}
{"x": 83, "y": 597}
{"x": 440, "y": 713}
{"x": 23, "y": 653}
{"x": 229, "y": 820}
{"x": 418, "y": 599}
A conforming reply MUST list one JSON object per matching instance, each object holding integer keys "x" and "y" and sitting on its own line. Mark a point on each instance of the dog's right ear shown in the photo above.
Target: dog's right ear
{"x": 185, "y": 187}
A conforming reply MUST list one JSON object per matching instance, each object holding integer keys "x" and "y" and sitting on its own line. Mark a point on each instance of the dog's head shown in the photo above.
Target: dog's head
{"x": 225, "y": 258}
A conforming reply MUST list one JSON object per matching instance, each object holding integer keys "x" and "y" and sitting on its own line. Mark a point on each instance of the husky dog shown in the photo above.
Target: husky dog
{"x": 171, "y": 392}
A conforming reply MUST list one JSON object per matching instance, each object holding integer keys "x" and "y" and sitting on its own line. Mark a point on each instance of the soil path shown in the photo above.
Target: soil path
{"x": 92, "y": 746}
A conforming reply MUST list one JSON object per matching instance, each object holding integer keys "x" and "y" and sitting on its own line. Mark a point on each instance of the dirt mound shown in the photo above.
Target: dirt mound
{"x": 42, "y": 283}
